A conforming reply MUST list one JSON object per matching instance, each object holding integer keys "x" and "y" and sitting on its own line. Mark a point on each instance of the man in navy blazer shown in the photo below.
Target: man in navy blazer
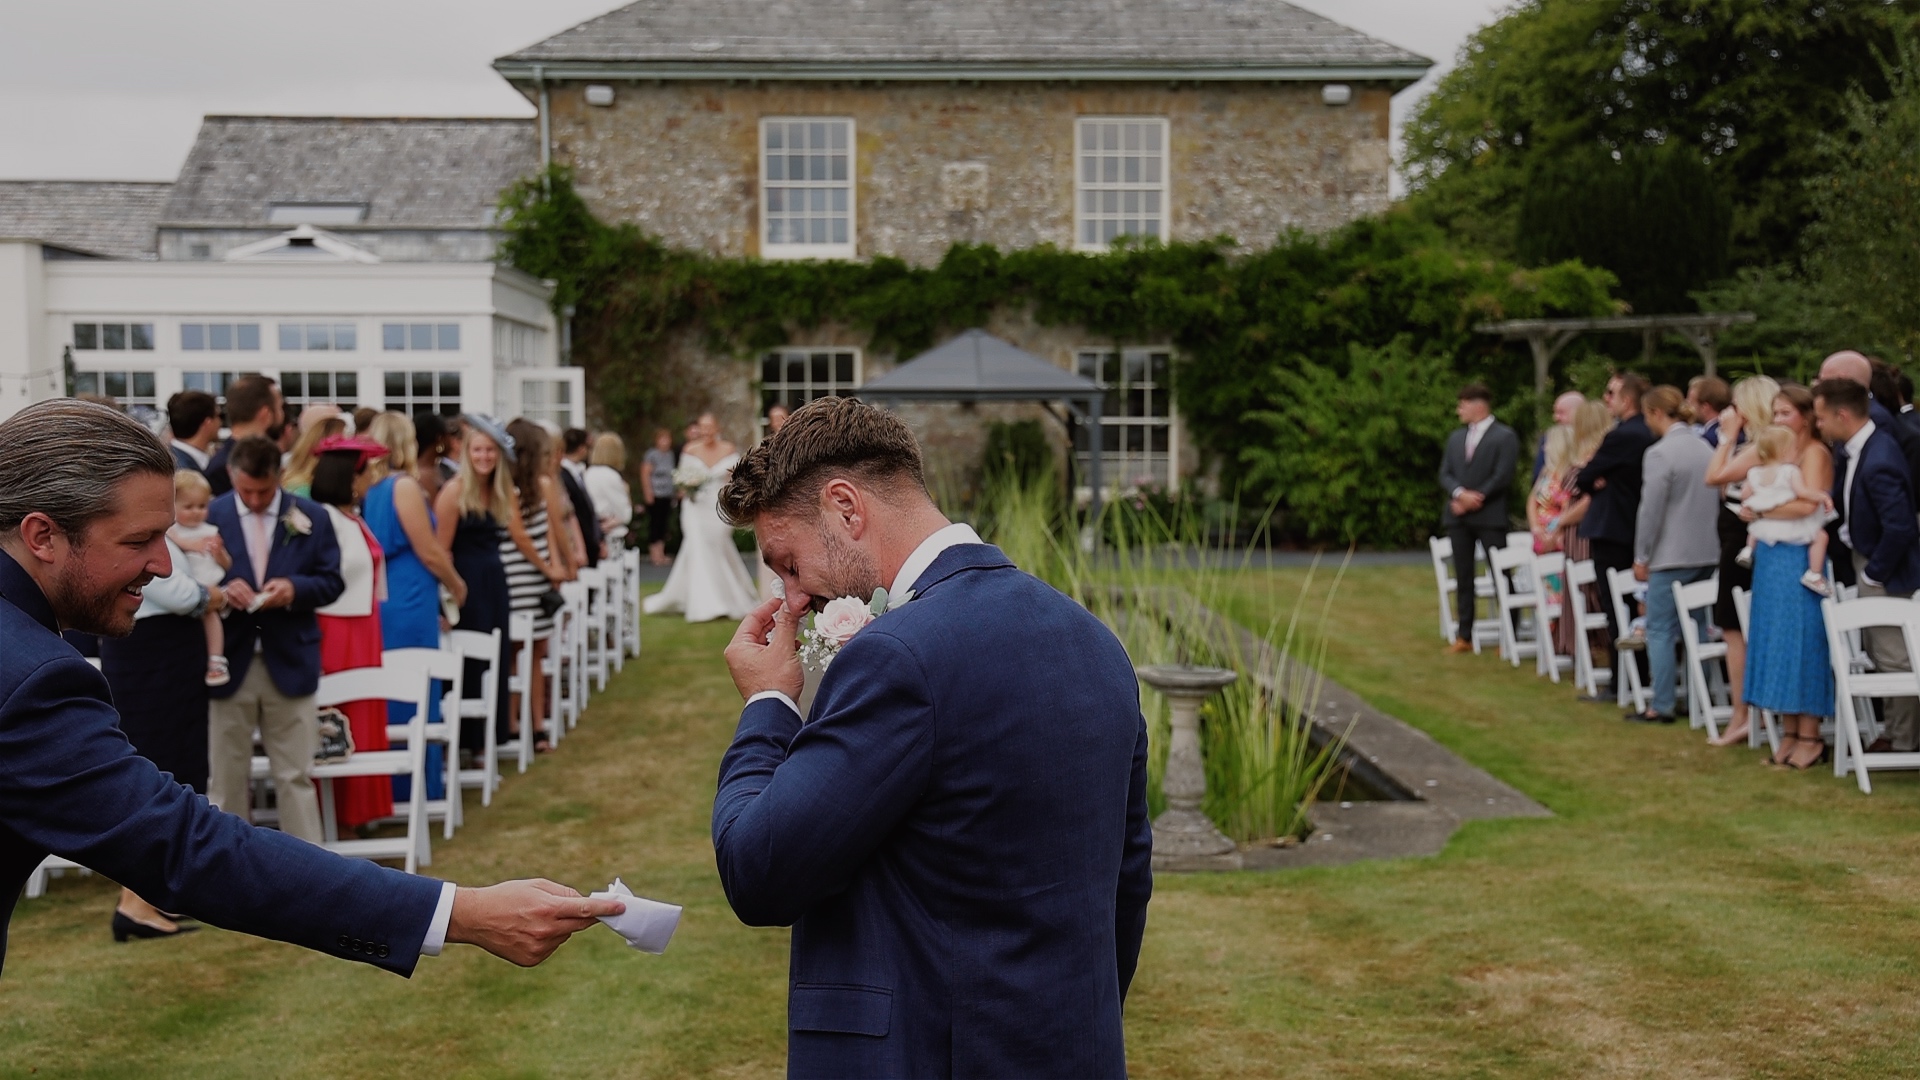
{"x": 958, "y": 831}
{"x": 1874, "y": 494}
{"x": 86, "y": 496}
{"x": 286, "y": 565}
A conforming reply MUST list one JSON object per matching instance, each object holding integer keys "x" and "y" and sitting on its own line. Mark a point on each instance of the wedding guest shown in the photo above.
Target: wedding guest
{"x": 1876, "y": 504}
{"x": 193, "y": 417}
{"x": 286, "y": 565}
{"x": 563, "y": 522}
{"x": 1564, "y": 407}
{"x": 577, "y": 447}
{"x": 1707, "y": 397}
{"x": 1591, "y": 421}
{"x": 1545, "y": 505}
{"x": 1475, "y": 471}
{"x": 471, "y": 513}
{"x": 207, "y": 560}
{"x": 1612, "y": 479}
{"x": 80, "y": 536}
{"x": 607, "y": 487}
{"x": 253, "y": 408}
{"x": 456, "y": 448}
{"x": 656, "y": 488}
{"x": 162, "y": 706}
{"x": 776, "y": 418}
{"x": 431, "y": 439}
{"x": 534, "y": 564}
{"x": 297, "y": 474}
{"x": 363, "y": 419}
{"x": 1675, "y": 542}
{"x": 350, "y": 634}
{"x": 397, "y": 511}
{"x": 1755, "y": 403}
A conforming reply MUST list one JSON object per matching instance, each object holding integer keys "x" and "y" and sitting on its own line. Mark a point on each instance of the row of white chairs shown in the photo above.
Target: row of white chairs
{"x": 595, "y": 631}
{"x": 1524, "y": 617}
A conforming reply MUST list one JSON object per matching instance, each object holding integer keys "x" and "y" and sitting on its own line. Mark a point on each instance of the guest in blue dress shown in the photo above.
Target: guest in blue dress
{"x": 395, "y": 511}
{"x": 1789, "y": 671}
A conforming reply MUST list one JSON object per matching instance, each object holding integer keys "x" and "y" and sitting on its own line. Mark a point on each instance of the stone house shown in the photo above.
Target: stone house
{"x": 842, "y": 129}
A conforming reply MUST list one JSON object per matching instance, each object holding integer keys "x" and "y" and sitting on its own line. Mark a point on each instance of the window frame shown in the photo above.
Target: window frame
{"x": 784, "y": 250}
{"x": 101, "y": 370}
{"x": 1115, "y": 469}
{"x": 783, "y": 392}
{"x": 131, "y": 333}
{"x": 435, "y": 401}
{"x": 1081, "y": 185}
{"x": 234, "y": 335}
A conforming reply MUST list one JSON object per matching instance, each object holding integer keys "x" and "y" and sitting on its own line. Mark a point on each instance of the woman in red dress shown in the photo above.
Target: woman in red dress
{"x": 350, "y": 626}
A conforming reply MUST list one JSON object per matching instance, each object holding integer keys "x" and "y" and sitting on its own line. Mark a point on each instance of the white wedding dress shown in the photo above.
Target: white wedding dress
{"x": 708, "y": 580}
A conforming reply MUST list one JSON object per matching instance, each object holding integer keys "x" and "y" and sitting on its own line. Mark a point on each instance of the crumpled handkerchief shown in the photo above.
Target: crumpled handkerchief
{"x": 647, "y": 924}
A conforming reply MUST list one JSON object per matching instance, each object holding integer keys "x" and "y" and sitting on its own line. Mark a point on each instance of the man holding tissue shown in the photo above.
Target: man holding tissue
{"x": 958, "y": 832}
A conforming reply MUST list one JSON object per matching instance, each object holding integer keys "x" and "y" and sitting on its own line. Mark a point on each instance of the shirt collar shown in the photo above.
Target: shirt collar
{"x": 930, "y": 549}
{"x": 1479, "y": 427}
{"x": 199, "y": 456}
{"x": 273, "y": 508}
{"x": 1859, "y": 440}
{"x": 577, "y": 468}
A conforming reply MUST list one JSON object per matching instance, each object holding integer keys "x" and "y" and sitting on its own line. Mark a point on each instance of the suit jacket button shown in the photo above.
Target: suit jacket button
{"x": 382, "y": 952}
{"x": 345, "y": 942}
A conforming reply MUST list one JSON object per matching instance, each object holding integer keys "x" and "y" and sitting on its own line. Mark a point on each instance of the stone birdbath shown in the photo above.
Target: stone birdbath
{"x": 1182, "y": 831}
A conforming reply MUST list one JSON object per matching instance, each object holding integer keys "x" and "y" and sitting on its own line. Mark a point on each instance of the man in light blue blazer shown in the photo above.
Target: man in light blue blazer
{"x": 286, "y": 566}
{"x": 958, "y": 831}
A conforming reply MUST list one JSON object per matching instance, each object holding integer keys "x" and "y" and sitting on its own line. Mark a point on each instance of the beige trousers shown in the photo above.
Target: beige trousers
{"x": 1889, "y": 652}
{"x": 290, "y": 731}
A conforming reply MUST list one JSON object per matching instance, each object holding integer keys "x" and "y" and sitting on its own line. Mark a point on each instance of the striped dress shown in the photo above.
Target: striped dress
{"x": 526, "y": 583}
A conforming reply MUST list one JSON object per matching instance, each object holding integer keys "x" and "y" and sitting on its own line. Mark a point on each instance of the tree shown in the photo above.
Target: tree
{"x": 1748, "y": 85}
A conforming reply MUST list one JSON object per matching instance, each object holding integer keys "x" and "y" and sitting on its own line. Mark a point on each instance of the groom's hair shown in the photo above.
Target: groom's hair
{"x": 823, "y": 439}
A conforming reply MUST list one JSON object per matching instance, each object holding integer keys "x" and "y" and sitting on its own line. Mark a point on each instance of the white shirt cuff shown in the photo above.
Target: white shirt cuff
{"x": 1865, "y": 580}
{"x": 437, "y": 929}
{"x": 775, "y": 695}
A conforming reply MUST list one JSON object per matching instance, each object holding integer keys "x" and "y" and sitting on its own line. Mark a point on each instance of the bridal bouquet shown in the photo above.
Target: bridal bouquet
{"x": 690, "y": 476}
{"x": 836, "y": 624}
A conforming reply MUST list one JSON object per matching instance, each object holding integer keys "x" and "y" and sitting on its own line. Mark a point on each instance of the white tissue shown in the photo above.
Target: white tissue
{"x": 647, "y": 924}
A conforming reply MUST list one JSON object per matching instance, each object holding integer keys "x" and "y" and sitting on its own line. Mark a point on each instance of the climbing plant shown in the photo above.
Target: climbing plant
{"x": 1235, "y": 317}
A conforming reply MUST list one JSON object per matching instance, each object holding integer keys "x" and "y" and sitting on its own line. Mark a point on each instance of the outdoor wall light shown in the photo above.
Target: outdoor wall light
{"x": 600, "y": 94}
{"x": 1331, "y": 94}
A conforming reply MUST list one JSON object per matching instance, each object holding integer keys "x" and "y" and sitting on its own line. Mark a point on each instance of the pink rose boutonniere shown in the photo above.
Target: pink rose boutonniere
{"x": 296, "y": 522}
{"x": 836, "y": 625}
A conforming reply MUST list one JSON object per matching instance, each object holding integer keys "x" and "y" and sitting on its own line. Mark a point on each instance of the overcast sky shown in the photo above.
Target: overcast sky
{"x": 114, "y": 89}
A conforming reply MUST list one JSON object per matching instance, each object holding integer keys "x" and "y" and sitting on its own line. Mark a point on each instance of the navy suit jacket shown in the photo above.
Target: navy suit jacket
{"x": 1615, "y": 509}
{"x": 72, "y": 786}
{"x": 184, "y": 460}
{"x": 291, "y": 635}
{"x": 1880, "y": 513}
{"x": 217, "y": 476}
{"x": 958, "y": 836}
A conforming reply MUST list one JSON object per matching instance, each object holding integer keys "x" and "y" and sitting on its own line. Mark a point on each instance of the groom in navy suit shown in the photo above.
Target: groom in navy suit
{"x": 286, "y": 564}
{"x": 958, "y": 831}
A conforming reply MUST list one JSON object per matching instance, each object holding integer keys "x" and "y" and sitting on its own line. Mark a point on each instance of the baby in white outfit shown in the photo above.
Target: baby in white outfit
{"x": 207, "y": 559}
{"x": 1774, "y": 483}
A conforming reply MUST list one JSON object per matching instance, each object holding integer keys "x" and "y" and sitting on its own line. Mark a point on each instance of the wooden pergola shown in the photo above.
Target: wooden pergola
{"x": 1547, "y": 337}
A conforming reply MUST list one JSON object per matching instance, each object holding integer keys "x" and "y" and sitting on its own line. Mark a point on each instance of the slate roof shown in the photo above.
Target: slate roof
{"x": 110, "y": 218}
{"x": 975, "y": 365}
{"x": 411, "y": 172}
{"x": 941, "y": 34}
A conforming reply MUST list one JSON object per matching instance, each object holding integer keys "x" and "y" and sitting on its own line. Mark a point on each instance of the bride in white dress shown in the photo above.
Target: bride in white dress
{"x": 708, "y": 580}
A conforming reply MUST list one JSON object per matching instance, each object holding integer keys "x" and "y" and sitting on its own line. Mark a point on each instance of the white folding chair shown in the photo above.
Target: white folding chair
{"x": 595, "y": 643}
{"x": 1580, "y": 574}
{"x": 1708, "y": 699}
{"x": 1855, "y": 689}
{"x": 451, "y": 669}
{"x": 1760, "y": 721}
{"x": 562, "y": 664}
{"x": 483, "y": 648}
{"x": 1485, "y": 631}
{"x": 1514, "y": 592}
{"x": 521, "y": 682}
{"x": 409, "y": 683}
{"x": 630, "y": 564}
{"x": 1628, "y": 688}
{"x": 49, "y": 867}
{"x": 1547, "y": 660}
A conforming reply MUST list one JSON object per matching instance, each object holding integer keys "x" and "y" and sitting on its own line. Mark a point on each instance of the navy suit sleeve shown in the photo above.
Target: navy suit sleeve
{"x": 1615, "y": 450}
{"x": 801, "y": 809}
{"x": 1136, "y": 870}
{"x": 74, "y": 786}
{"x": 317, "y": 582}
{"x": 1893, "y": 505}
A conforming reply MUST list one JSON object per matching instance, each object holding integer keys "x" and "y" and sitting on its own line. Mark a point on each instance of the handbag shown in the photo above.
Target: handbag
{"x": 336, "y": 737}
{"x": 551, "y": 602}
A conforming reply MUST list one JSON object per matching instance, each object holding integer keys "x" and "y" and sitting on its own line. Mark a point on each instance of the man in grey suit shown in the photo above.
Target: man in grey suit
{"x": 1476, "y": 473}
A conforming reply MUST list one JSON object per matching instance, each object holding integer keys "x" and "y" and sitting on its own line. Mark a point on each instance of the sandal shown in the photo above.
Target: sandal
{"x": 1797, "y": 765}
{"x": 1782, "y": 755}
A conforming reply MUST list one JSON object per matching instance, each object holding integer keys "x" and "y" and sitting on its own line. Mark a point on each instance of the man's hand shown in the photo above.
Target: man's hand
{"x": 1472, "y": 500}
{"x": 523, "y": 921}
{"x": 1639, "y": 571}
{"x": 239, "y": 594}
{"x": 760, "y": 662}
{"x": 277, "y": 593}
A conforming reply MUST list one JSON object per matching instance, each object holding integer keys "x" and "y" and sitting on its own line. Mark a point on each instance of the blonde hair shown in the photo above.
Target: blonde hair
{"x": 1773, "y": 443}
{"x": 1753, "y": 400}
{"x": 1667, "y": 401}
{"x": 395, "y": 432}
{"x": 1559, "y": 448}
{"x": 1591, "y": 422}
{"x": 610, "y": 451}
{"x": 190, "y": 481}
{"x": 299, "y": 471}
{"x": 495, "y": 498}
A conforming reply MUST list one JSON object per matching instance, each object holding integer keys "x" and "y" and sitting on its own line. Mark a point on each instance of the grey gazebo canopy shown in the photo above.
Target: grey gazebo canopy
{"x": 976, "y": 366}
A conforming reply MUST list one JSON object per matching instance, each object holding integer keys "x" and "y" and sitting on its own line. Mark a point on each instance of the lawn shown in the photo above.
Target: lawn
{"x": 1687, "y": 912}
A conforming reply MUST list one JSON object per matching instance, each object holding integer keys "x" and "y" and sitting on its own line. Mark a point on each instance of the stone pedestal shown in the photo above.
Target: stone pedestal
{"x": 1182, "y": 834}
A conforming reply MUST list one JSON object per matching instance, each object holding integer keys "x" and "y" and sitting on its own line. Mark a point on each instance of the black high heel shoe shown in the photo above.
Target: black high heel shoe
{"x": 125, "y": 928}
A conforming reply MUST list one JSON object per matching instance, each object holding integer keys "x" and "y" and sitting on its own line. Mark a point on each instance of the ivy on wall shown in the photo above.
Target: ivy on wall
{"x": 1236, "y": 318}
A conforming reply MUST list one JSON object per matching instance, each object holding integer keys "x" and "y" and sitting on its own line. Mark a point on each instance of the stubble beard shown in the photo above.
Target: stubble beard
{"x": 86, "y": 605}
{"x": 850, "y": 571}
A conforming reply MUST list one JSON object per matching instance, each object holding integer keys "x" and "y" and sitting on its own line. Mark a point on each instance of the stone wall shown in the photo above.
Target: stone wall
{"x": 939, "y": 163}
